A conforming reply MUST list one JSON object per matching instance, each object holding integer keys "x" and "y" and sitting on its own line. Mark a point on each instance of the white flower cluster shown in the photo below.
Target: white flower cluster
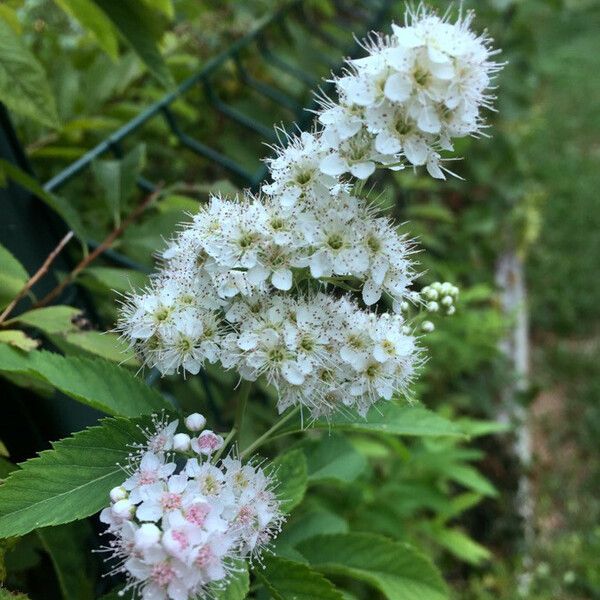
{"x": 179, "y": 525}
{"x": 248, "y": 283}
{"x": 417, "y": 90}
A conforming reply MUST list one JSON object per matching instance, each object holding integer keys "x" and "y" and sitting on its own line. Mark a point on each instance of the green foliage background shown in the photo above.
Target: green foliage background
{"x": 533, "y": 185}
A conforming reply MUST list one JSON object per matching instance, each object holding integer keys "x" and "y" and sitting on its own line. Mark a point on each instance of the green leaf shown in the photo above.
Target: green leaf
{"x": 52, "y": 319}
{"x": 308, "y": 525}
{"x": 290, "y": 580}
{"x": 333, "y": 457}
{"x": 461, "y": 545}
{"x": 389, "y": 417}
{"x": 24, "y": 87}
{"x": 165, "y": 6}
{"x": 18, "y": 339}
{"x": 56, "y": 203}
{"x": 95, "y": 21}
{"x": 69, "y": 482}
{"x": 291, "y": 472}
{"x": 12, "y": 276}
{"x": 237, "y": 585}
{"x": 117, "y": 178}
{"x": 11, "y": 17}
{"x": 119, "y": 280}
{"x": 67, "y": 545}
{"x": 475, "y": 428}
{"x": 397, "y": 570}
{"x": 107, "y": 345}
{"x": 141, "y": 29}
{"x": 8, "y": 595}
{"x": 95, "y": 382}
{"x": 471, "y": 478}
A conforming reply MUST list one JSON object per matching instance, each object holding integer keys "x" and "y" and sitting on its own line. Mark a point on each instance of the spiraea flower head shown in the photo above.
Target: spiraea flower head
{"x": 179, "y": 522}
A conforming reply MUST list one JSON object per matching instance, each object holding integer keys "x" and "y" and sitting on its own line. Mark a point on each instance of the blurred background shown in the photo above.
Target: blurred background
{"x": 512, "y": 514}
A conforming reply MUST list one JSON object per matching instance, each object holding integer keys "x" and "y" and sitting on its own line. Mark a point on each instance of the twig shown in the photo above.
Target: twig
{"x": 37, "y": 275}
{"x": 105, "y": 245}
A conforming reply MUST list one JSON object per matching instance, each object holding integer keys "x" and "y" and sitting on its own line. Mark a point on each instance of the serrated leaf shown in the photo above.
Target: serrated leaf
{"x": 95, "y": 21}
{"x": 291, "y": 473}
{"x": 18, "y": 339}
{"x": 290, "y": 580}
{"x": 24, "y": 87}
{"x": 237, "y": 585}
{"x": 56, "y": 203}
{"x": 389, "y": 417}
{"x": 95, "y": 382}
{"x": 333, "y": 457}
{"x": 397, "y": 570}
{"x": 107, "y": 345}
{"x": 69, "y": 482}
{"x": 475, "y": 428}
{"x": 141, "y": 30}
{"x": 66, "y": 545}
{"x": 52, "y": 319}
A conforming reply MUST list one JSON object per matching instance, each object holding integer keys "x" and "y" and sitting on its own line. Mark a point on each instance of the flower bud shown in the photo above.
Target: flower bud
{"x": 207, "y": 443}
{"x": 123, "y": 508}
{"x": 195, "y": 422}
{"x": 146, "y": 536}
{"x": 429, "y": 293}
{"x": 118, "y": 493}
{"x": 181, "y": 442}
{"x": 427, "y": 326}
{"x": 450, "y": 310}
{"x": 404, "y": 306}
{"x": 432, "y": 307}
{"x": 447, "y": 301}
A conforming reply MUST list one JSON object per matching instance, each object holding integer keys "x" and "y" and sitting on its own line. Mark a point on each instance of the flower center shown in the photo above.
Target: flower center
{"x": 335, "y": 241}
{"x": 197, "y": 514}
{"x": 171, "y": 501}
{"x": 162, "y": 574}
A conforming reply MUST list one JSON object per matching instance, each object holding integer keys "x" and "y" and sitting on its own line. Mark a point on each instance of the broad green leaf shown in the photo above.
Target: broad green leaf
{"x": 141, "y": 29}
{"x": 313, "y": 523}
{"x": 95, "y": 21}
{"x": 67, "y": 545}
{"x": 107, "y": 345}
{"x": 290, "y": 580}
{"x": 52, "y": 319}
{"x": 389, "y": 417}
{"x": 18, "y": 339}
{"x": 397, "y": 570}
{"x": 333, "y": 457}
{"x": 460, "y": 544}
{"x": 291, "y": 473}
{"x": 95, "y": 382}
{"x": 24, "y": 87}
{"x": 56, "y": 203}
{"x": 13, "y": 276}
{"x": 237, "y": 585}
{"x": 119, "y": 280}
{"x": 69, "y": 482}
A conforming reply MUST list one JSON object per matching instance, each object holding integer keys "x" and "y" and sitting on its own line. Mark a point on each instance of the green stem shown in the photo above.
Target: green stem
{"x": 241, "y": 401}
{"x": 267, "y": 435}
